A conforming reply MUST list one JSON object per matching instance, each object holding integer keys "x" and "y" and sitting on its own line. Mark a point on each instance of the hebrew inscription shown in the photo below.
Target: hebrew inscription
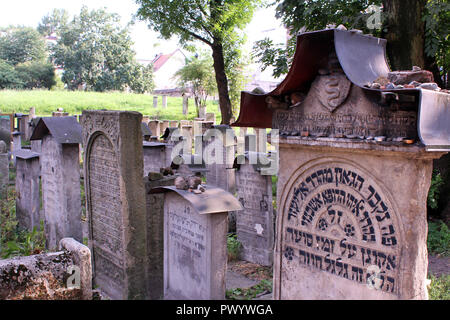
{"x": 105, "y": 214}
{"x": 339, "y": 221}
{"x": 187, "y": 250}
{"x": 254, "y": 224}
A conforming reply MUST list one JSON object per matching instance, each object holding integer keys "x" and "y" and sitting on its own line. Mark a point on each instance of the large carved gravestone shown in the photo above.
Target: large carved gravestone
{"x": 195, "y": 243}
{"x": 60, "y": 172}
{"x": 355, "y": 169}
{"x": 254, "y": 224}
{"x": 115, "y": 201}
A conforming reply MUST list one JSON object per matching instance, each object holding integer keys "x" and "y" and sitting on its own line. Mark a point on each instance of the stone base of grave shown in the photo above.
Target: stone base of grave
{"x": 352, "y": 220}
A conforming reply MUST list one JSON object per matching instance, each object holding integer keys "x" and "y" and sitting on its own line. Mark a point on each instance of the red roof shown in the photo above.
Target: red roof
{"x": 161, "y": 59}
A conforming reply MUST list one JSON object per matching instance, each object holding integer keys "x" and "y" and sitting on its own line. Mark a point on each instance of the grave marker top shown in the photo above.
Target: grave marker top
{"x": 65, "y": 130}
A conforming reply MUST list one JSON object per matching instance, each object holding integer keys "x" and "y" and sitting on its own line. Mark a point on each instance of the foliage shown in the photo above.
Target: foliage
{"x": 263, "y": 287}
{"x": 9, "y": 77}
{"x": 53, "y": 22}
{"x": 305, "y": 15}
{"x": 36, "y": 75}
{"x": 437, "y": 40}
{"x": 198, "y": 75}
{"x": 96, "y": 54}
{"x": 22, "y": 44}
{"x": 309, "y": 15}
{"x": 433, "y": 194}
{"x": 234, "y": 247}
{"x": 439, "y": 288}
{"x": 438, "y": 241}
{"x": 16, "y": 242}
{"x": 214, "y": 23}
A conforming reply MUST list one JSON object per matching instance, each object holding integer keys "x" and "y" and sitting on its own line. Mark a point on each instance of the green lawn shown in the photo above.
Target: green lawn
{"x": 75, "y": 102}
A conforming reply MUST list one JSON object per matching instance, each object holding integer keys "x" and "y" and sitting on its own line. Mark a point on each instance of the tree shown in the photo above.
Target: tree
{"x": 36, "y": 74}
{"x": 22, "y": 44}
{"x": 54, "y": 22}
{"x": 96, "y": 54}
{"x": 9, "y": 77}
{"x": 197, "y": 75}
{"x": 416, "y": 30}
{"x": 212, "y": 22}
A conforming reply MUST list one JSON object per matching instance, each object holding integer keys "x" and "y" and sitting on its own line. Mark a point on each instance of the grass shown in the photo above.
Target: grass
{"x": 263, "y": 287}
{"x": 438, "y": 241}
{"x": 233, "y": 246}
{"x": 75, "y": 102}
{"x": 440, "y": 288}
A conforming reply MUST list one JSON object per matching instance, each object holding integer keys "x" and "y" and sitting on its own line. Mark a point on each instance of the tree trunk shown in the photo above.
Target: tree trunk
{"x": 406, "y": 33}
{"x": 222, "y": 82}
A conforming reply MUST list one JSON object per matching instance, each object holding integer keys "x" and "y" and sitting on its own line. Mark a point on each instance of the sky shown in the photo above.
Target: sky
{"x": 147, "y": 44}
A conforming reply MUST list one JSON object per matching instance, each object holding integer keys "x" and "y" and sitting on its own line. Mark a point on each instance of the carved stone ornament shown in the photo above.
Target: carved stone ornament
{"x": 332, "y": 90}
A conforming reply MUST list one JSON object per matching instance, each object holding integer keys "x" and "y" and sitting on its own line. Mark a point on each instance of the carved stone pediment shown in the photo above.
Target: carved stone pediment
{"x": 332, "y": 90}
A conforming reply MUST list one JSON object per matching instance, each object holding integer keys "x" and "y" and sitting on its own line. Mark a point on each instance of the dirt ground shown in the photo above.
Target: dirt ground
{"x": 438, "y": 265}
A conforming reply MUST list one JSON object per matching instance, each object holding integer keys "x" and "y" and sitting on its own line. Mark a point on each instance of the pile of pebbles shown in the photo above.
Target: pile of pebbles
{"x": 410, "y": 79}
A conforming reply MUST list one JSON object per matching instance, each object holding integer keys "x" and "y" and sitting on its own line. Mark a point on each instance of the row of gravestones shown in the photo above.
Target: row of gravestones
{"x": 185, "y": 110}
{"x": 55, "y": 166}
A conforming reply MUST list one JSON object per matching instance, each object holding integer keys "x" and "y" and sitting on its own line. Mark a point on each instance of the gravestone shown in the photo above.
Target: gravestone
{"x": 219, "y": 155}
{"x": 60, "y": 172}
{"x": 220, "y": 166}
{"x": 155, "y": 236}
{"x": 115, "y": 202}
{"x": 164, "y": 124}
{"x": 195, "y": 243}
{"x": 154, "y": 156}
{"x": 6, "y": 127}
{"x": 211, "y": 117}
{"x": 17, "y": 144}
{"x": 185, "y": 105}
{"x": 28, "y": 200}
{"x": 154, "y": 126}
{"x": 155, "y": 101}
{"x": 254, "y": 224}
{"x": 4, "y": 170}
{"x": 352, "y": 191}
{"x": 146, "y": 132}
{"x": 164, "y": 101}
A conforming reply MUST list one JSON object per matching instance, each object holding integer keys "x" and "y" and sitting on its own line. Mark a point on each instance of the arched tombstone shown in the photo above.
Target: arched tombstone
{"x": 195, "y": 242}
{"x": 115, "y": 200}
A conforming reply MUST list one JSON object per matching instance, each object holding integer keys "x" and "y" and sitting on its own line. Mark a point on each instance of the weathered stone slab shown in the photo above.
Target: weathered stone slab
{"x": 195, "y": 250}
{"x": 255, "y": 224}
{"x": 4, "y": 170}
{"x": 49, "y": 276}
{"x": 154, "y": 156}
{"x": 351, "y": 226}
{"x": 155, "y": 127}
{"x": 6, "y": 127}
{"x": 28, "y": 200}
{"x": 116, "y": 202}
{"x": 60, "y": 172}
{"x": 155, "y": 236}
